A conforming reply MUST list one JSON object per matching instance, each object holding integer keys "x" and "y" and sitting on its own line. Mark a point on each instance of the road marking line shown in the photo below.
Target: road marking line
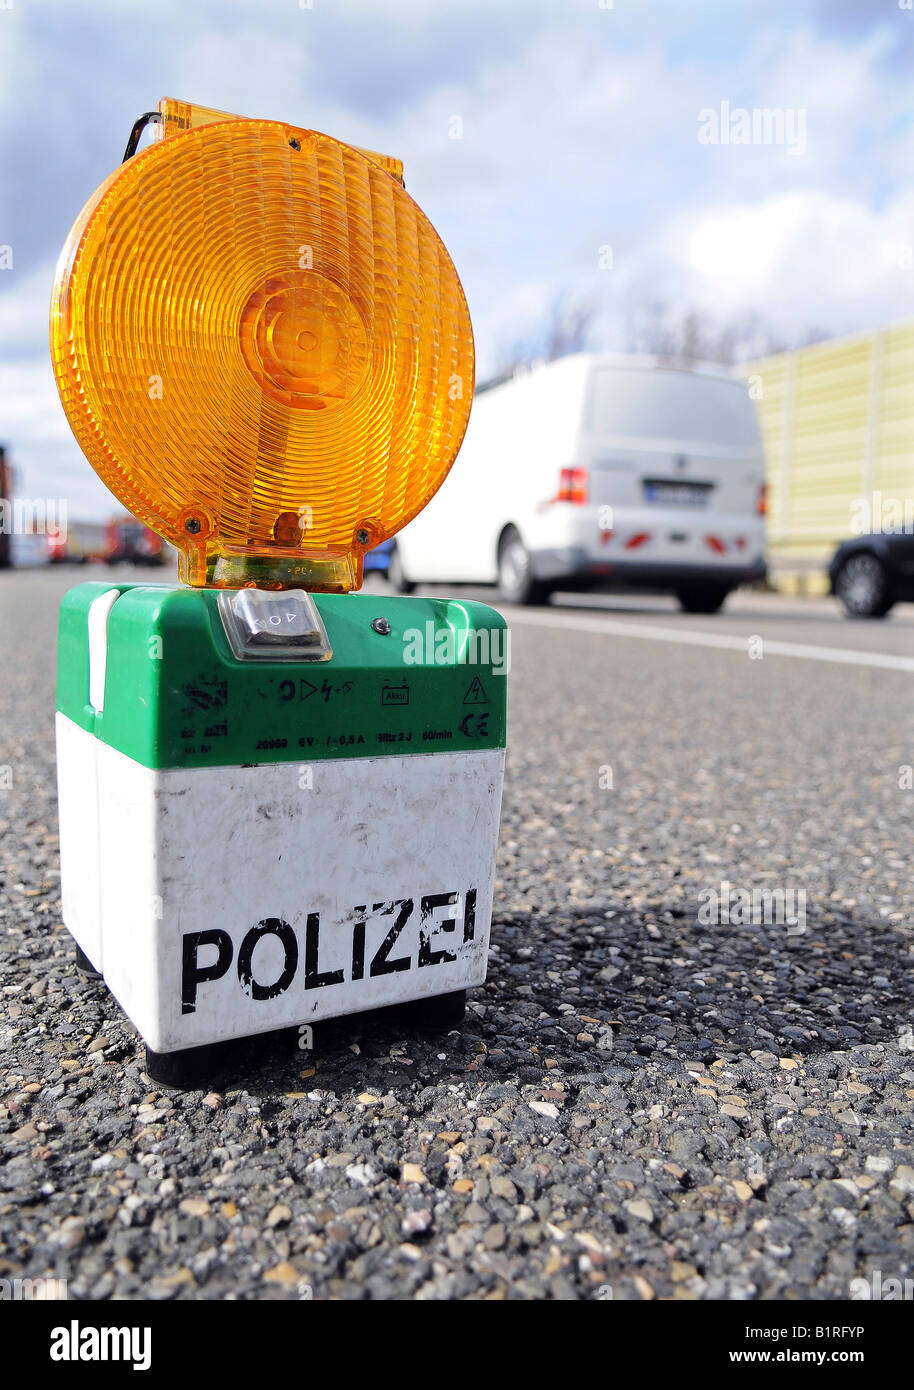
{"x": 689, "y": 637}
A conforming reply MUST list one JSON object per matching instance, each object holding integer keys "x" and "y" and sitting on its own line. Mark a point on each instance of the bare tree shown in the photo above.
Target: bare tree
{"x": 567, "y": 328}
{"x": 652, "y": 328}
{"x": 682, "y": 340}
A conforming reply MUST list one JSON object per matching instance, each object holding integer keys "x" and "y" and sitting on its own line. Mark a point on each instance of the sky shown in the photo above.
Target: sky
{"x": 576, "y": 151}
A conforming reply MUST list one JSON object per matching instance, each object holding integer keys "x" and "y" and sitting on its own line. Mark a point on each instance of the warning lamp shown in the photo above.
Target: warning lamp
{"x": 263, "y": 348}
{"x": 279, "y": 798}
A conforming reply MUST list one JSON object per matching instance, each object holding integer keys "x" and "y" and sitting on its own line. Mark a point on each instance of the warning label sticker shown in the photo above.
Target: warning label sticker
{"x": 476, "y": 693}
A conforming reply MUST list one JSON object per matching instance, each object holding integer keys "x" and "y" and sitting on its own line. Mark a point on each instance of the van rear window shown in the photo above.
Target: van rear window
{"x": 640, "y": 403}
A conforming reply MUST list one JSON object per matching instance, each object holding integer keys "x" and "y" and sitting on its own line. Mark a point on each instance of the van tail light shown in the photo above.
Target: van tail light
{"x": 572, "y": 486}
{"x": 761, "y": 505}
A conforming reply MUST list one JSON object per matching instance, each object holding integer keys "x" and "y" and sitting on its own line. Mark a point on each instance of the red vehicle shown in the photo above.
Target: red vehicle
{"x": 121, "y": 540}
{"x": 6, "y": 502}
{"x": 129, "y": 541}
{"x": 79, "y": 543}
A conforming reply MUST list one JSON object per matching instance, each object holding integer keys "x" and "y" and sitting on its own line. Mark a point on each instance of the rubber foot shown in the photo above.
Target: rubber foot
{"x": 192, "y": 1066}
{"x": 437, "y": 1014}
{"x": 85, "y": 966}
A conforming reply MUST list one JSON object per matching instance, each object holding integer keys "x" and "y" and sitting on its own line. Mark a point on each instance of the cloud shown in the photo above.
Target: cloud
{"x": 579, "y": 131}
{"x": 24, "y": 312}
{"x": 44, "y": 454}
{"x": 809, "y": 259}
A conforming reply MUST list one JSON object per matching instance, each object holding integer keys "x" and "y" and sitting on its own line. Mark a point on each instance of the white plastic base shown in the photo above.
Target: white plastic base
{"x": 224, "y": 902}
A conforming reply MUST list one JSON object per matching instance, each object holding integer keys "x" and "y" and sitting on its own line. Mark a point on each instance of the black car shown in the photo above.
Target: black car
{"x": 871, "y": 573}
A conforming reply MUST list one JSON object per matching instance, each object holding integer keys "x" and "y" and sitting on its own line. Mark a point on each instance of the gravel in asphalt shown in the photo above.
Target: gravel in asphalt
{"x": 640, "y": 1105}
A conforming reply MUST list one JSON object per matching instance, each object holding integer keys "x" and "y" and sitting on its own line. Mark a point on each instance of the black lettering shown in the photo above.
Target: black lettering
{"x": 428, "y": 904}
{"x": 272, "y": 926}
{"x": 313, "y": 977}
{"x": 358, "y": 947}
{"x": 192, "y": 973}
{"x": 381, "y": 965}
{"x": 469, "y": 915}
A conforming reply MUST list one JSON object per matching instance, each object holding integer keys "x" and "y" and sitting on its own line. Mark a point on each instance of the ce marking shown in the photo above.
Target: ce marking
{"x": 475, "y": 725}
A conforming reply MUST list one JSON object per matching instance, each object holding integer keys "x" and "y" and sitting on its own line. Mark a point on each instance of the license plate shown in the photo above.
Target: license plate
{"x": 677, "y": 494}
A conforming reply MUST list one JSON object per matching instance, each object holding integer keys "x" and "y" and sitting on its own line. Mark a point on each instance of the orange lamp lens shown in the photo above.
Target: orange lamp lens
{"x": 264, "y": 350}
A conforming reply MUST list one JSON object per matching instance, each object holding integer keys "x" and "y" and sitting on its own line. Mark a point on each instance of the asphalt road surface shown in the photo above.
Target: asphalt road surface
{"x": 663, "y": 1091}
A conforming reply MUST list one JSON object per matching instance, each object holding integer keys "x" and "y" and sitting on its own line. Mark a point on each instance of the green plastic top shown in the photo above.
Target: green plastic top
{"x": 176, "y": 696}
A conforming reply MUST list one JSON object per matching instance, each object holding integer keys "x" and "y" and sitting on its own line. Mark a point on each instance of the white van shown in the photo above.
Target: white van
{"x": 599, "y": 472}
